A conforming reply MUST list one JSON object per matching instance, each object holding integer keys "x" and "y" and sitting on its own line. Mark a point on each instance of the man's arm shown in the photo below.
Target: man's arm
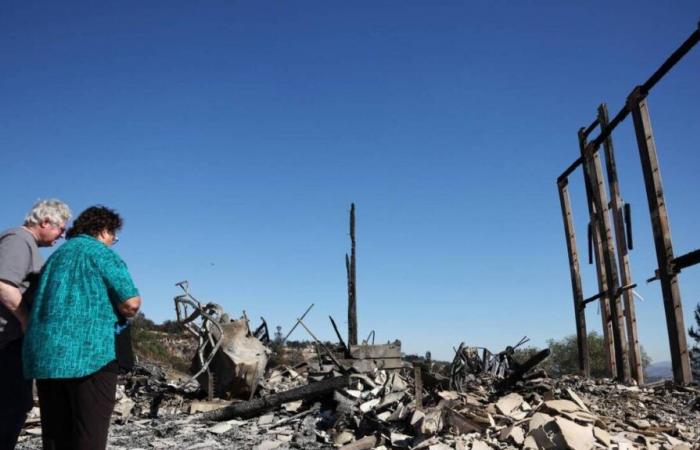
{"x": 11, "y": 298}
{"x": 129, "y": 307}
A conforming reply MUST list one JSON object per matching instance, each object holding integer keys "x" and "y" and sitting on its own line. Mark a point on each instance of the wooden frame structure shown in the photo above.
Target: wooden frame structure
{"x": 623, "y": 355}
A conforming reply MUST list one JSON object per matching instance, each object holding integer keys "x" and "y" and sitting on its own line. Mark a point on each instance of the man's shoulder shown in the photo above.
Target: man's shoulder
{"x": 17, "y": 233}
{"x": 17, "y": 238}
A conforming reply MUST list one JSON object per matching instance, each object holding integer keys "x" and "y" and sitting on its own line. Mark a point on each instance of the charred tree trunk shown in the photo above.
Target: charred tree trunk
{"x": 352, "y": 285}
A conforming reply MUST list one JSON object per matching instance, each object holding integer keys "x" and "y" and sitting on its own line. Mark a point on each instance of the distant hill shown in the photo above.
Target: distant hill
{"x": 662, "y": 370}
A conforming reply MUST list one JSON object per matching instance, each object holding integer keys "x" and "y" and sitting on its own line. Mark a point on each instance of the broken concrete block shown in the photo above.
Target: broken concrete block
{"x": 640, "y": 424}
{"x": 391, "y": 398}
{"x": 530, "y": 443}
{"x": 221, "y": 428}
{"x": 559, "y": 406}
{"x": 508, "y": 404}
{"x": 602, "y": 436}
{"x": 440, "y": 446}
{"x": 541, "y": 439}
{"x": 576, "y": 399}
{"x": 123, "y": 407}
{"x": 480, "y": 445}
{"x": 268, "y": 445}
{"x": 448, "y": 395}
{"x": 343, "y": 438}
{"x": 513, "y": 434}
{"x": 266, "y": 419}
{"x": 384, "y": 416}
{"x": 432, "y": 423}
{"x": 576, "y": 437}
{"x": 417, "y": 417}
{"x": 369, "y": 405}
{"x": 538, "y": 420}
{"x": 399, "y": 413}
{"x": 293, "y": 406}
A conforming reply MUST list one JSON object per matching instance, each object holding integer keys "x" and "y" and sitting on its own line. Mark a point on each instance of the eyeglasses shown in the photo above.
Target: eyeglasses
{"x": 115, "y": 239}
{"x": 58, "y": 227}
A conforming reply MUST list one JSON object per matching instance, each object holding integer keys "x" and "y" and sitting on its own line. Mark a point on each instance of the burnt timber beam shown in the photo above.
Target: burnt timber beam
{"x": 601, "y": 294}
{"x": 644, "y": 89}
{"x": 606, "y": 130}
{"x": 601, "y": 221}
{"x": 670, "y": 290}
{"x": 687, "y": 260}
{"x": 601, "y": 272}
{"x": 616, "y": 207}
{"x": 584, "y": 364}
{"x": 259, "y": 405}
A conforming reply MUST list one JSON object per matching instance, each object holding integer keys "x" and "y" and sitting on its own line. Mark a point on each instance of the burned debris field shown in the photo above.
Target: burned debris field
{"x": 342, "y": 399}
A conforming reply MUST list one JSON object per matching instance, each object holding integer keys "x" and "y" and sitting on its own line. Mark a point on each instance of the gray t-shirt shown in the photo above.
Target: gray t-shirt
{"x": 20, "y": 265}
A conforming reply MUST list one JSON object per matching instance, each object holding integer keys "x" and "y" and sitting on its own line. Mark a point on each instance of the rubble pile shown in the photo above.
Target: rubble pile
{"x": 382, "y": 410}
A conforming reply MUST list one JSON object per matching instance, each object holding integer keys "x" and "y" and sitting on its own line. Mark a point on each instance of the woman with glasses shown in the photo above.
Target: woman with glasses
{"x": 84, "y": 292}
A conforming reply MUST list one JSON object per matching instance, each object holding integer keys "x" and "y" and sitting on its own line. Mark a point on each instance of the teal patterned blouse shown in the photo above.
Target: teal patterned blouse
{"x": 72, "y": 322}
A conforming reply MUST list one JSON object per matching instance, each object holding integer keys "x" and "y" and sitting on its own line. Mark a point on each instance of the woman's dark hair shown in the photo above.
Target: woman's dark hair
{"x": 94, "y": 220}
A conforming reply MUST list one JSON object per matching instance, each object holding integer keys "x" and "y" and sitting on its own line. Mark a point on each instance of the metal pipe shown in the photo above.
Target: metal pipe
{"x": 295, "y": 325}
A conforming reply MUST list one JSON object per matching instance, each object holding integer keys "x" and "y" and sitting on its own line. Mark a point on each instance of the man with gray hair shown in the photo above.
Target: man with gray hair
{"x": 20, "y": 265}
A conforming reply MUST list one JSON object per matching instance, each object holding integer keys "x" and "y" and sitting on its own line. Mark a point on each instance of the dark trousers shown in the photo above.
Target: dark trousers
{"x": 75, "y": 412}
{"x": 15, "y": 394}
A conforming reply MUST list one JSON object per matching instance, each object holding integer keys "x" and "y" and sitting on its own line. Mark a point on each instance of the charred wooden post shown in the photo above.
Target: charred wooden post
{"x": 255, "y": 407}
{"x": 601, "y": 222}
{"x": 584, "y": 364}
{"x": 601, "y": 273}
{"x": 621, "y": 241}
{"x": 673, "y": 306}
{"x": 418, "y": 386}
{"x": 352, "y": 284}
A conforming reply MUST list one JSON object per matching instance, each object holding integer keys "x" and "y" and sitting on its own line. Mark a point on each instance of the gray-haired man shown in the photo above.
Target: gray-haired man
{"x": 20, "y": 264}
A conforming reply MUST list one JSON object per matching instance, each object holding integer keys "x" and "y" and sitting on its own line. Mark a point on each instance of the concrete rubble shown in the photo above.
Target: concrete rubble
{"x": 378, "y": 410}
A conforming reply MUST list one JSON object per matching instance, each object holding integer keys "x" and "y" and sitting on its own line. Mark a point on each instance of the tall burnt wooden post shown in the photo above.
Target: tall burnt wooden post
{"x": 601, "y": 223}
{"x": 584, "y": 364}
{"x": 616, "y": 206}
{"x": 668, "y": 277}
{"x": 352, "y": 284}
{"x": 601, "y": 268}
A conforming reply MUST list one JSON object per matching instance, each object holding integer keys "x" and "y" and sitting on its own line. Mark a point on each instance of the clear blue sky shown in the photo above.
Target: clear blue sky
{"x": 233, "y": 136}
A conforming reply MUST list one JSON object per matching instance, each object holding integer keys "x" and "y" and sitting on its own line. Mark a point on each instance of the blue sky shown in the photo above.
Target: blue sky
{"x": 233, "y": 136}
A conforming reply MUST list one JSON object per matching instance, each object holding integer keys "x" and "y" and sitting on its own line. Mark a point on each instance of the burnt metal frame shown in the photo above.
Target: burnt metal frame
{"x": 669, "y": 267}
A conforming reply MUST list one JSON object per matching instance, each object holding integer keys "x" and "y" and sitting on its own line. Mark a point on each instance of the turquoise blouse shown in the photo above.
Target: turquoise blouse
{"x": 72, "y": 322}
